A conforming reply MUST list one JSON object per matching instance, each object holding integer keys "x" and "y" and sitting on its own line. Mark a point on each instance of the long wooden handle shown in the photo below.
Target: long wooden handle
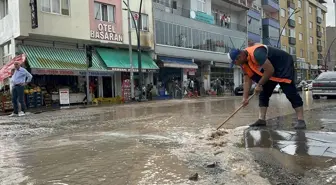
{"x": 227, "y": 119}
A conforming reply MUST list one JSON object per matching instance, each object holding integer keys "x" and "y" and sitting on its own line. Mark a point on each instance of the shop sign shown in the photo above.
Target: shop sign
{"x": 52, "y": 72}
{"x": 104, "y": 27}
{"x": 64, "y": 96}
{"x": 134, "y": 69}
{"x": 95, "y": 73}
{"x": 189, "y": 71}
{"x": 202, "y": 17}
{"x": 106, "y": 32}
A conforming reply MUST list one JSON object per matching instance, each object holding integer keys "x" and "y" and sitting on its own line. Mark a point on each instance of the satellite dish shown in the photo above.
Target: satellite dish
{"x": 192, "y": 14}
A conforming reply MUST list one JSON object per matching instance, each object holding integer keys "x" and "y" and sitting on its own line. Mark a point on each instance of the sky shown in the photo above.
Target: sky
{"x": 331, "y": 13}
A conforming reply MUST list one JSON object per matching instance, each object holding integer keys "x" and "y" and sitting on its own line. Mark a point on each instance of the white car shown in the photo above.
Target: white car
{"x": 277, "y": 89}
{"x": 324, "y": 85}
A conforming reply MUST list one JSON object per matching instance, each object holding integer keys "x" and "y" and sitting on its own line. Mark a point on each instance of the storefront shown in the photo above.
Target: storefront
{"x": 302, "y": 69}
{"x": 174, "y": 70}
{"x": 117, "y": 61}
{"x": 60, "y": 68}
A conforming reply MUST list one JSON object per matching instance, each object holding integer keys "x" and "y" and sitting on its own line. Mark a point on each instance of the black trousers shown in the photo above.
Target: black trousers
{"x": 288, "y": 89}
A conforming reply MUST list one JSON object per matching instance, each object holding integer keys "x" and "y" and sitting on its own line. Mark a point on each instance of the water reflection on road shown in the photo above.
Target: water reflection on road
{"x": 128, "y": 144}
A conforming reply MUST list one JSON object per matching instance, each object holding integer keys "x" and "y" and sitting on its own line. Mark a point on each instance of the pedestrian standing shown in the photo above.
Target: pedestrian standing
{"x": 11, "y": 86}
{"x": 268, "y": 67}
{"x": 20, "y": 79}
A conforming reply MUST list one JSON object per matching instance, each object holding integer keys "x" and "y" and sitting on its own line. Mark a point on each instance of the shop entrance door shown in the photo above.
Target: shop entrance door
{"x": 107, "y": 89}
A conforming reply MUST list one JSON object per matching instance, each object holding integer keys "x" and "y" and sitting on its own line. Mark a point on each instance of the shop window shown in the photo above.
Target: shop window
{"x": 104, "y": 12}
{"x": 61, "y": 7}
{"x": 3, "y": 8}
{"x": 143, "y": 22}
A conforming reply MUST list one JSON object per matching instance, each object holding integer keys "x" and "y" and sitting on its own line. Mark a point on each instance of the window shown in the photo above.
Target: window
{"x": 300, "y": 20}
{"x": 300, "y": 36}
{"x": 319, "y": 12}
{"x": 61, "y": 7}
{"x": 3, "y": 8}
{"x": 310, "y": 25}
{"x": 301, "y": 53}
{"x": 322, "y": 30}
{"x": 201, "y": 5}
{"x": 283, "y": 12}
{"x": 318, "y": 42}
{"x": 143, "y": 22}
{"x": 311, "y": 40}
{"x": 283, "y": 32}
{"x": 291, "y": 32}
{"x": 104, "y": 12}
{"x": 284, "y": 47}
{"x": 310, "y": 9}
{"x": 291, "y": 14}
{"x": 292, "y": 50}
{"x": 312, "y": 56}
{"x": 318, "y": 28}
{"x": 299, "y": 4}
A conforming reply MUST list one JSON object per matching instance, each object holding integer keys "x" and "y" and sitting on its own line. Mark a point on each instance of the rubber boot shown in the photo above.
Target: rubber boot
{"x": 259, "y": 123}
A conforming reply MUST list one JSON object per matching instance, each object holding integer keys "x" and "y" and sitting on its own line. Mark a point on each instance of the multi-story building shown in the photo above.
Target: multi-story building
{"x": 330, "y": 58}
{"x": 270, "y": 22}
{"x": 193, "y": 37}
{"x": 304, "y": 34}
{"x": 254, "y": 21}
{"x": 52, "y": 34}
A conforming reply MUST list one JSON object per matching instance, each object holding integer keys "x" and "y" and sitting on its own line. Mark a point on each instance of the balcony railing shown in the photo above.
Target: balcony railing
{"x": 185, "y": 37}
{"x": 168, "y": 8}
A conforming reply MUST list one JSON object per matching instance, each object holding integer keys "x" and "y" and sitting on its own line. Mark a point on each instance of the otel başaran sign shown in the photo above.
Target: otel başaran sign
{"x": 106, "y": 30}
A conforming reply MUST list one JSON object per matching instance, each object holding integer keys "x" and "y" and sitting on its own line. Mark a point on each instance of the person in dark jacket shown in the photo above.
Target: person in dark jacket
{"x": 268, "y": 66}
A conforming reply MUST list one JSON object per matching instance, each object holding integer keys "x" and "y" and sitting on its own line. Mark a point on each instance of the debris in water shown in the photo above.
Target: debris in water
{"x": 200, "y": 137}
{"x": 213, "y": 165}
{"x": 218, "y": 144}
{"x": 218, "y": 152}
{"x": 194, "y": 177}
{"x": 217, "y": 134}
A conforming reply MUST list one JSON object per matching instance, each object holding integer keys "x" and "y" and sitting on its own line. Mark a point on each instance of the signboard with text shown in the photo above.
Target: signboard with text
{"x": 103, "y": 26}
{"x": 64, "y": 96}
{"x": 70, "y": 72}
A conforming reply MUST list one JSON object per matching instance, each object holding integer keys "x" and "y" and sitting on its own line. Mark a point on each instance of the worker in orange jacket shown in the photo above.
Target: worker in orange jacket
{"x": 268, "y": 66}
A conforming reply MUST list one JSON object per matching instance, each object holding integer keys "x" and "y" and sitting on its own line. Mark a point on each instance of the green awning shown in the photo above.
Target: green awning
{"x": 118, "y": 60}
{"x": 60, "y": 59}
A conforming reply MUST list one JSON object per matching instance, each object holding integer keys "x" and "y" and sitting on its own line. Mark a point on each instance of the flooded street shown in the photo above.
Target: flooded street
{"x": 165, "y": 142}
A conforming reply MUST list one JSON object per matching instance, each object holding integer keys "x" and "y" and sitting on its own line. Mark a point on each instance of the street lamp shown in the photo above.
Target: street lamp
{"x": 282, "y": 29}
{"x": 137, "y": 29}
{"x": 327, "y": 53}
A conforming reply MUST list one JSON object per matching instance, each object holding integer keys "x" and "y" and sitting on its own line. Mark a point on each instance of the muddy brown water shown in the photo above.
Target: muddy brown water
{"x": 129, "y": 144}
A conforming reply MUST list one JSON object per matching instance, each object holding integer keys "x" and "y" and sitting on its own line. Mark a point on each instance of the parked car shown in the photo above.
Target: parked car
{"x": 240, "y": 90}
{"x": 324, "y": 85}
{"x": 277, "y": 89}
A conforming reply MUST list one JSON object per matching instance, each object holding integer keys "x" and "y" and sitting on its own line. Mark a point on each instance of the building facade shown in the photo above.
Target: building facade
{"x": 330, "y": 59}
{"x": 193, "y": 37}
{"x": 304, "y": 35}
{"x": 53, "y": 35}
{"x": 254, "y": 21}
{"x": 270, "y": 22}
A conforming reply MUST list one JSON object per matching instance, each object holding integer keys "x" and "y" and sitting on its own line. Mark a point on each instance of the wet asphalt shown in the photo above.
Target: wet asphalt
{"x": 164, "y": 142}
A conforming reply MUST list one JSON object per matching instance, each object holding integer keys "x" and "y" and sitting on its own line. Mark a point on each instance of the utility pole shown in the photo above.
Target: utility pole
{"x": 130, "y": 53}
{"x": 88, "y": 50}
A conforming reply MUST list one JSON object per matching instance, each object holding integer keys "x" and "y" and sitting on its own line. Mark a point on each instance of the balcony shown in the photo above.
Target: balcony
{"x": 291, "y": 23}
{"x": 318, "y": 34}
{"x": 191, "y": 18}
{"x": 292, "y": 40}
{"x": 318, "y": 20}
{"x": 320, "y": 56}
{"x": 291, "y": 4}
{"x": 271, "y": 22}
{"x": 270, "y": 5}
{"x": 319, "y": 48}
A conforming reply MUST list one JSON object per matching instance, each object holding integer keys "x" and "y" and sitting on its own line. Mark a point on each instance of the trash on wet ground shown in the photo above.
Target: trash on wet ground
{"x": 212, "y": 165}
{"x": 216, "y": 134}
{"x": 218, "y": 144}
{"x": 194, "y": 177}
